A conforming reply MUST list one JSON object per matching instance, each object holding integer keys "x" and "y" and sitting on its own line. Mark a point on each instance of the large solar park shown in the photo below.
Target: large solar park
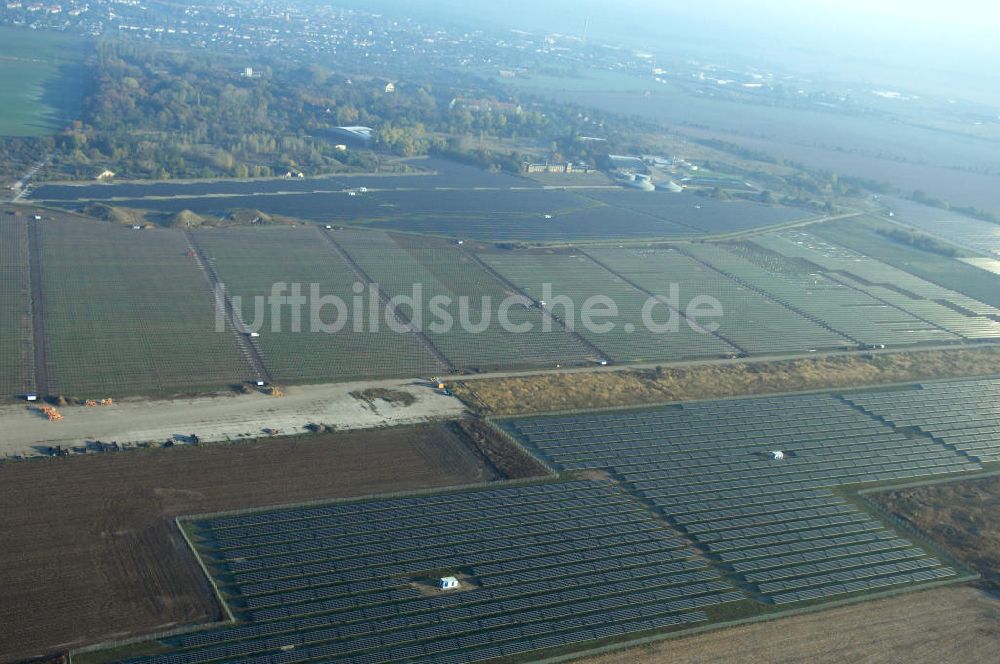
{"x": 661, "y": 520}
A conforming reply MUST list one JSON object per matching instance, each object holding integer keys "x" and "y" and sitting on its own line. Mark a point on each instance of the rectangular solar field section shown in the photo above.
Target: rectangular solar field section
{"x": 540, "y": 567}
{"x": 130, "y": 312}
{"x": 398, "y": 263}
{"x": 698, "y": 215}
{"x": 16, "y": 350}
{"x": 626, "y": 337}
{"x": 962, "y": 415}
{"x": 829, "y": 301}
{"x": 945, "y": 308}
{"x": 772, "y": 524}
{"x": 251, "y": 261}
{"x": 751, "y": 321}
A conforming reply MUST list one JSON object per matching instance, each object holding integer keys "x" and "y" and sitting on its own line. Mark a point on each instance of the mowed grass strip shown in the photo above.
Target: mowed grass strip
{"x": 15, "y": 308}
{"x": 250, "y": 261}
{"x": 129, "y": 312}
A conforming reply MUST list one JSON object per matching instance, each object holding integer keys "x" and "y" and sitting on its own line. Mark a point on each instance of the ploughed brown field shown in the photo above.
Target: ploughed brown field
{"x": 91, "y": 552}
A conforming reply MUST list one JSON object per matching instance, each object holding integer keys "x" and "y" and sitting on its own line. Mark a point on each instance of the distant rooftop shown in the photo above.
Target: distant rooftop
{"x": 360, "y": 133}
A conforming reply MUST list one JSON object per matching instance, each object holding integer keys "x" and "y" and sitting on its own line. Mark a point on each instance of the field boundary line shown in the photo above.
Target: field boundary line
{"x": 442, "y": 490}
{"x": 862, "y": 498}
{"x": 474, "y": 257}
{"x": 204, "y": 568}
{"x": 385, "y": 299}
{"x": 187, "y": 629}
{"x": 247, "y": 347}
{"x": 795, "y": 223}
{"x": 931, "y": 481}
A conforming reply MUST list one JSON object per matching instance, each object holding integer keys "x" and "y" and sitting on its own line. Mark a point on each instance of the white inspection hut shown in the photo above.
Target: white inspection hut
{"x": 448, "y": 583}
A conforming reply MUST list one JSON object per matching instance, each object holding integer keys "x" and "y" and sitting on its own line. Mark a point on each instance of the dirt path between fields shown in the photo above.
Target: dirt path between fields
{"x": 222, "y": 417}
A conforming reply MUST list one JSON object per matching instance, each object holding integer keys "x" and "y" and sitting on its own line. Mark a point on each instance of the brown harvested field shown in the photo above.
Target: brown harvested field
{"x": 606, "y": 389}
{"x": 91, "y": 552}
{"x": 963, "y": 517}
{"x": 952, "y": 625}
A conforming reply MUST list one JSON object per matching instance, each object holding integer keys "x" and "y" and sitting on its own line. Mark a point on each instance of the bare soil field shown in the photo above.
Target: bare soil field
{"x": 962, "y": 517}
{"x": 514, "y": 395}
{"x": 951, "y": 625}
{"x": 91, "y": 552}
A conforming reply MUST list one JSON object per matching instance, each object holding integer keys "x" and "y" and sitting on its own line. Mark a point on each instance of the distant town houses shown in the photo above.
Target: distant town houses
{"x": 484, "y": 106}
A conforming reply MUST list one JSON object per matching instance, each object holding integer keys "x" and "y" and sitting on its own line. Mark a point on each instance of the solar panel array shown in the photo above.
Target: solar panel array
{"x": 16, "y": 336}
{"x": 773, "y": 524}
{"x": 963, "y": 415}
{"x": 397, "y": 263}
{"x": 554, "y": 565}
{"x": 578, "y": 278}
{"x": 949, "y": 310}
{"x": 540, "y": 566}
{"x": 851, "y": 312}
{"x": 756, "y": 324}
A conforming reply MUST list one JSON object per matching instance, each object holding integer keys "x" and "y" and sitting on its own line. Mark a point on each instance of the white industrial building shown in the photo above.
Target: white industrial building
{"x": 448, "y": 583}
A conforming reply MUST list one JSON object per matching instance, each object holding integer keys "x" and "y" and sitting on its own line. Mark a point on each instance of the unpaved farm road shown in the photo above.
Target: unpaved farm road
{"x": 221, "y": 417}
{"x": 217, "y": 417}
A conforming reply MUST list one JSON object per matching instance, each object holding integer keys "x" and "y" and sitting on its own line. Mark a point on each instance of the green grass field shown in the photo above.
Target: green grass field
{"x": 39, "y": 77}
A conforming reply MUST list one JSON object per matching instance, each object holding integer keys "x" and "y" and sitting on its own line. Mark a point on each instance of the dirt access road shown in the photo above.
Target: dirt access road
{"x": 223, "y": 416}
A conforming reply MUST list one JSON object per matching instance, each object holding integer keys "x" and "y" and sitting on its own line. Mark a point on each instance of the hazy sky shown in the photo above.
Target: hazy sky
{"x": 960, "y": 23}
{"x": 935, "y": 41}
